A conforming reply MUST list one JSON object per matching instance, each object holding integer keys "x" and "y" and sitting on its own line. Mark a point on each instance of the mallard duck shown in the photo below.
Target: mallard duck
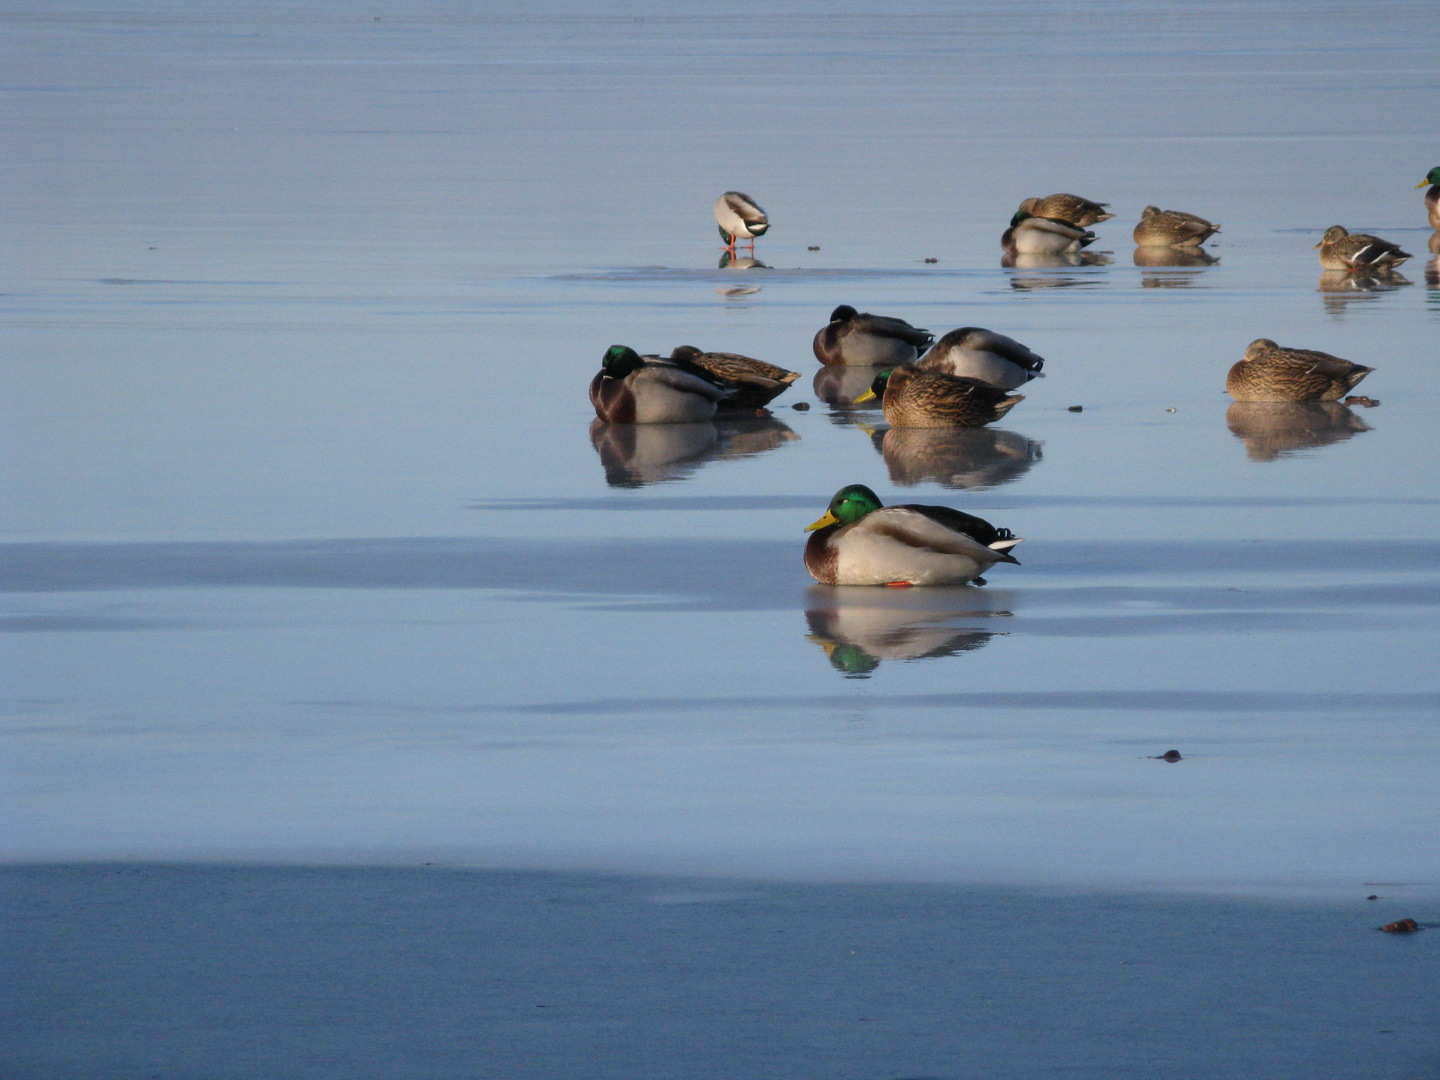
{"x": 859, "y": 339}
{"x": 861, "y": 542}
{"x": 1432, "y": 197}
{"x": 1031, "y": 235}
{"x": 754, "y": 382}
{"x": 932, "y": 399}
{"x": 984, "y": 355}
{"x": 739, "y": 218}
{"x": 1172, "y": 228}
{"x": 1341, "y": 250}
{"x": 631, "y": 389}
{"x": 1071, "y": 208}
{"x": 1271, "y": 373}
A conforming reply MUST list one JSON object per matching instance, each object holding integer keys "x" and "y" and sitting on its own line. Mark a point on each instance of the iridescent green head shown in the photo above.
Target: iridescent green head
{"x": 621, "y": 360}
{"x": 877, "y": 388}
{"x": 1020, "y": 215}
{"x": 849, "y": 505}
{"x": 1432, "y": 177}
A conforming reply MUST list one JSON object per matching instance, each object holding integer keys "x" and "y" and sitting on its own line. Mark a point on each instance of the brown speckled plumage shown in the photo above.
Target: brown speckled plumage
{"x": 1172, "y": 228}
{"x": 1341, "y": 250}
{"x": 754, "y": 382}
{"x": 1271, "y": 373}
{"x": 932, "y": 399}
{"x": 1071, "y": 208}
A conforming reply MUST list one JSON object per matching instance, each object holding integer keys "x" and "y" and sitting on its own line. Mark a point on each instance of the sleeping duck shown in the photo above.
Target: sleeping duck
{"x": 631, "y": 389}
{"x": 1271, "y": 373}
{"x": 861, "y": 542}
{"x": 753, "y": 382}
{"x": 1031, "y": 235}
{"x": 1071, "y": 208}
{"x": 859, "y": 339}
{"x": 985, "y": 355}
{"x": 1172, "y": 228}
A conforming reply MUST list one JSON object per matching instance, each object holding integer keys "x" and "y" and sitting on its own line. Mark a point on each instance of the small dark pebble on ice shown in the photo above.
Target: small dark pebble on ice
{"x": 1076, "y": 408}
{"x": 801, "y": 406}
{"x": 813, "y": 247}
{"x": 1401, "y": 926}
{"x": 1168, "y": 755}
{"x": 762, "y": 413}
{"x": 1372, "y": 896}
{"x": 1360, "y": 399}
{"x": 932, "y": 260}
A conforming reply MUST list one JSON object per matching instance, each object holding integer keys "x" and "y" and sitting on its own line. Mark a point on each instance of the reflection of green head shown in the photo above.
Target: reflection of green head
{"x": 852, "y": 503}
{"x": 621, "y": 360}
{"x": 852, "y": 661}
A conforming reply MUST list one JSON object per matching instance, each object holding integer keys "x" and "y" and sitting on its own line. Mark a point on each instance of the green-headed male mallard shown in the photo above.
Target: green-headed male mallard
{"x": 1031, "y": 235}
{"x": 861, "y": 542}
{"x": 931, "y": 399}
{"x": 739, "y": 218}
{"x": 992, "y": 358}
{"x": 1172, "y": 228}
{"x": 631, "y": 389}
{"x": 1432, "y": 197}
{"x": 1071, "y": 208}
{"x": 858, "y": 339}
{"x": 1341, "y": 250}
{"x": 1271, "y": 373}
{"x": 753, "y": 382}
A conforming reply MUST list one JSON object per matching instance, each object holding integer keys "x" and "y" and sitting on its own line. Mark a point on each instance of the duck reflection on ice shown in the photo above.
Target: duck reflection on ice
{"x": 1273, "y": 429}
{"x": 1182, "y": 266}
{"x": 959, "y": 458}
{"x": 1169, "y": 256}
{"x": 730, "y": 261}
{"x": 860, "y": 627}
{"x": 634, "y": 455}
{"x": 1054, "y": 262}
{"x": 1342, "y": 287}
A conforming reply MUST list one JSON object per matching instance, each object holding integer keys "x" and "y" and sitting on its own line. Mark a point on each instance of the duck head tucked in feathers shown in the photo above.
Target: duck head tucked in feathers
{"x": 992, "y": 358}
{"x": 1031, "y": 235}
{"x": 632, "y": 389}
{"x": 859, "y": 339}
{"x": 1270, "y": 372}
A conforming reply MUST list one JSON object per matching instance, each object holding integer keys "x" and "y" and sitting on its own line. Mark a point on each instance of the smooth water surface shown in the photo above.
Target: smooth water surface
{"x": 313, "y": 553}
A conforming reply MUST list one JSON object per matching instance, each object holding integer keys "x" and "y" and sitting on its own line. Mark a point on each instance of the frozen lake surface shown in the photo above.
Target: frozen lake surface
{"x": 312, "y": 554}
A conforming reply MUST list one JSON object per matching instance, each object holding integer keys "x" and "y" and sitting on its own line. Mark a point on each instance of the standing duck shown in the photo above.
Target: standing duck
{"x": 856, "y": 338}
{"x": 1432, "y": 197}
{"x": 980, "y": 354}
{"x": 1031, "y": 235}
{"x": 753, "y": 382}
{"x": 861, "y": 542}
{"x": 1341, "y": 250}
{"x": 631, "y": 389}
{"x": 739, "y": 218}
{"x": 931, "y": 399}
{"x": 1271, "y": 373}
{"x": 1172, "y": 228}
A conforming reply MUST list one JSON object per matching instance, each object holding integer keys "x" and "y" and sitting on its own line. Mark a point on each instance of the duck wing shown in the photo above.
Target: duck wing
{"x": 885, "y": 326}
{"x": 939, "y": 528}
